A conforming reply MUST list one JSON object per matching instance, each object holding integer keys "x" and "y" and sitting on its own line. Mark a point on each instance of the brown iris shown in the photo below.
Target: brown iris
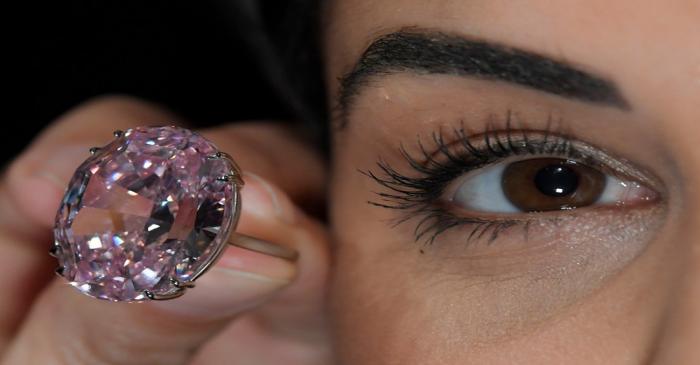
{"x": 544, "y": 184}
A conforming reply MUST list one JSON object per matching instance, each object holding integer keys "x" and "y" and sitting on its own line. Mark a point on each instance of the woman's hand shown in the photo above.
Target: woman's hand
{"x": 248, "y": 309}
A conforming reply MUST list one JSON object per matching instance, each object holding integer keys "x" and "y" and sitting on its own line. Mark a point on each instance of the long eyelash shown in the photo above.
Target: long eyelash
{"x": 420, "y": 195}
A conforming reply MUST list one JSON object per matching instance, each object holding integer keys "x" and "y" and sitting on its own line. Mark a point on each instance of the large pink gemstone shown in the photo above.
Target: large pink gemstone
{"x": 144, "y": 214}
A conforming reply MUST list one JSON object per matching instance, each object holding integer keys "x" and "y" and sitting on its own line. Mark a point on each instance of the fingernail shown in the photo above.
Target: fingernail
{"x": 261, "y": 198}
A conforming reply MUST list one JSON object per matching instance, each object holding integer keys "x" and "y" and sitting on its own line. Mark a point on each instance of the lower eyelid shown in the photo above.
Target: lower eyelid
{"x": 484, "y": 226}
{"x": 419, "y": 196}
{"x": 555, "y": 264}
{"x": 569, "y": 230}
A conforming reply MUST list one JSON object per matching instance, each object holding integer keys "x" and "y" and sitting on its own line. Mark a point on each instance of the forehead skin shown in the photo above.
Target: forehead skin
{"x": 651, "y": 49}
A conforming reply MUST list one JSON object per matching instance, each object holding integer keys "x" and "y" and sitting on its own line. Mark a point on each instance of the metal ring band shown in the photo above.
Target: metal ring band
{"x": 264, "y": 247}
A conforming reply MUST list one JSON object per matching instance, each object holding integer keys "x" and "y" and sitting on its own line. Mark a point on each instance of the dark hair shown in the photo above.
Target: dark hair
{"x": 287, "y": 46}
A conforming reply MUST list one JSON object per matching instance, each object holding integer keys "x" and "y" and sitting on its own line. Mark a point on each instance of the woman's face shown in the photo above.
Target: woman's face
{"x": 515, "y": 181}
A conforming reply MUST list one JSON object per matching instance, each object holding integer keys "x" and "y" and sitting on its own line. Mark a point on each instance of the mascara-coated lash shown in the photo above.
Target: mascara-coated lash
{"x": 419, "y": 194}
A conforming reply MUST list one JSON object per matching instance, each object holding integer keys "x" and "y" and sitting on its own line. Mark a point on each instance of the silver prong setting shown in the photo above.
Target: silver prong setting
{"x": 53, "y": 251}
{"x": 235, "y": 175}
{"x": 59, "y": 271}
{"x": 94, "y": 150}
{"x": 216, "y": 156}
{"x": 225, "y": 178}
{"x": 118, "y": 133}
{"x": 152, "y": 296}
{"x": 181, "y": 285}
{"x": 231, "y": 178}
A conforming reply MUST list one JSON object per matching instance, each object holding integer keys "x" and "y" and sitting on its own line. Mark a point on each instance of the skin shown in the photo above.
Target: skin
{"x": 260, "y": 308}
{"x": 608, "y": 285}
{"x": 616, "y": 286}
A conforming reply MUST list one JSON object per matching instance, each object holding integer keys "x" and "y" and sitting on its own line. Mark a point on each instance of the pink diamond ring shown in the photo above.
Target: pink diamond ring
{"x": 145, "y": 216}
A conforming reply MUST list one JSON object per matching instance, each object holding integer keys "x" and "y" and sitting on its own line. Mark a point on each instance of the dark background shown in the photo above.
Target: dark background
{"x": 200, "y": 58}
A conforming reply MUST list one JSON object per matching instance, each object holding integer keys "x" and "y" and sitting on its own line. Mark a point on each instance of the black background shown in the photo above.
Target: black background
{"x": 191, "y": 56}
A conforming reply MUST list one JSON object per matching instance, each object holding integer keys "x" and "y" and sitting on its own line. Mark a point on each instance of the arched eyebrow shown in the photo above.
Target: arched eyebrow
{"x": 430, "y": 52}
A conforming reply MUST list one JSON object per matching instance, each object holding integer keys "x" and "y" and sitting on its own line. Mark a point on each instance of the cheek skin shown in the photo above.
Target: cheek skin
{"x": 451, "y": 305}
{"x": 392, "y": 305}
{"x": 401, "y": 307}
{"x": 521, "y": 280}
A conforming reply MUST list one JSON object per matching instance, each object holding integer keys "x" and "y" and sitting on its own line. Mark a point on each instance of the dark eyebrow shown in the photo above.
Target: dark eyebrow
{"x": 429, "y": 52}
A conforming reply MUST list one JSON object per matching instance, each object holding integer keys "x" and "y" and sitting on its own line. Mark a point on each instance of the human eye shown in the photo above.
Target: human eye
{"x": 544, "y": 183}
{"x": 505, "y": 178}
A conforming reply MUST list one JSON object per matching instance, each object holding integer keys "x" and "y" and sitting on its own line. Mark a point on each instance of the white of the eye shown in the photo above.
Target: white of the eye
{"x": 482, "y": 191}
{"x": 617, "y": 191}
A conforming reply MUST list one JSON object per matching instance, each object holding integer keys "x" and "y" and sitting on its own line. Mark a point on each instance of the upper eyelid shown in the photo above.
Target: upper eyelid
{"x": 536, "y": 142}
{"x": 461, "y": 136}
{"x": 505, "y": 142}
{"x": 487, "y": 145}
{"x": 420, "y": 195}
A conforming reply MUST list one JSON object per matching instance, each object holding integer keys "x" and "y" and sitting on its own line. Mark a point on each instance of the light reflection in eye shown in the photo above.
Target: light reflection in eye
{"x": 495, "y": 180}
{"x": 543, "y": 184}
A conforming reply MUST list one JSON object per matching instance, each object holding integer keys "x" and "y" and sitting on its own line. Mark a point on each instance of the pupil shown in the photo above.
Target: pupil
{"x": 556, "y": 180}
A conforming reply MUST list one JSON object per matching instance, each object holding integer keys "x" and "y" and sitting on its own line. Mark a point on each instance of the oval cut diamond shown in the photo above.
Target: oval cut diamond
{"x": 145, "y": 214}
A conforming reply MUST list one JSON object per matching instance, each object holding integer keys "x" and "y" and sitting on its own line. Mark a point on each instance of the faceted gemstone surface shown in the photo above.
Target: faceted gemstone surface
{"x": 143, "y": 213}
